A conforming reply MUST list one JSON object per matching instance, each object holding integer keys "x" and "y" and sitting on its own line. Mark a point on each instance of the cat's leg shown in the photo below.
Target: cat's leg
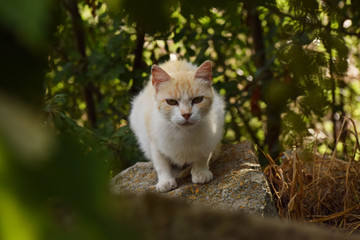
{"x": 166, "y": 181}
{"x": 200, "y": 172}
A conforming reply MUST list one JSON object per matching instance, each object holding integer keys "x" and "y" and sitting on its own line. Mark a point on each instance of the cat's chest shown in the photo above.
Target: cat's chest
{"x": 184, "y": 135}
{"x": 182, "y": 146}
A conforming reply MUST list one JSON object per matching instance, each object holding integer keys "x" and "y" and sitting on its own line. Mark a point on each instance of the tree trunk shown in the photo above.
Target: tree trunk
{"x": 72, "y": 8}
{"x": 273, "y": 125}
{"x": 139, "y": 48}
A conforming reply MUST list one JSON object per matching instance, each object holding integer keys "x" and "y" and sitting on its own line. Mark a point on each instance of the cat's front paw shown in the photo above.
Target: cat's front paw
{"x": 166, "y": 185}
{"x": 202, "y": 176}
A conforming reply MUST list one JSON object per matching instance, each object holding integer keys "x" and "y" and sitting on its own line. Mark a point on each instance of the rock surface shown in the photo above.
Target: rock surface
{"x": 238, "y": 184}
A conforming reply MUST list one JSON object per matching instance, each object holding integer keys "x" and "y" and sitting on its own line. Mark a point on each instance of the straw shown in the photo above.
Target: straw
{"x": 324, "y": 190}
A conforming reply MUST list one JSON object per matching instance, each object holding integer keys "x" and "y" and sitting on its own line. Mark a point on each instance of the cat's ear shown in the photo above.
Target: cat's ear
{"x": 158, "y": 76}
{"x": 204, "y": 72}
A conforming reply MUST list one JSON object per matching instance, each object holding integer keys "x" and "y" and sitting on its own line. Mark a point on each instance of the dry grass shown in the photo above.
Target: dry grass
{"x": 319, "y": 189}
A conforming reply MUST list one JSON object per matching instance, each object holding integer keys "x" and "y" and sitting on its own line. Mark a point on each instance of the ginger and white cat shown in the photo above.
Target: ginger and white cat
{"x": 178, "y": 119}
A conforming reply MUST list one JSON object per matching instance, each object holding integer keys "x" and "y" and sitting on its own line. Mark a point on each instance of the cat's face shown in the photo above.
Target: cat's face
{"x": 184, "y": 98}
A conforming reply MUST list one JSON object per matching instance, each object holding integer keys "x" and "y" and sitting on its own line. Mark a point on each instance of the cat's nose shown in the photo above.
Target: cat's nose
{"x": 186, "y": 115}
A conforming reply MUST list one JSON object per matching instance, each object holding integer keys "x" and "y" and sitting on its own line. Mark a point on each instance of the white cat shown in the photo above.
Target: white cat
{"x": 178, "y": 119}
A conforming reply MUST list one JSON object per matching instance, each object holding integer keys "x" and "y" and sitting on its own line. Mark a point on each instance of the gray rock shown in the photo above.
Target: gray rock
{"x": 238, "y": 184}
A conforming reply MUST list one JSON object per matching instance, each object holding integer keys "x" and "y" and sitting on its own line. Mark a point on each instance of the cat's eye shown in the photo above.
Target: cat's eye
{"x": 171, "y": 102}
{"x": 197, "y": 100}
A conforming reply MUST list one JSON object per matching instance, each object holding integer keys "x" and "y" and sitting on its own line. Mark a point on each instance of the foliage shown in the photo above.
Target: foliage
{"x": 279, "y": 64}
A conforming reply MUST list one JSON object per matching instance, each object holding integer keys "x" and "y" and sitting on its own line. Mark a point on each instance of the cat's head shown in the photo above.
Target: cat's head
{"x": 183, "y": 97}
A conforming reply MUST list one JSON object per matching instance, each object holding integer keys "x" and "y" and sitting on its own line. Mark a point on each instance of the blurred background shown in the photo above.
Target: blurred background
{"x": 288, "y": 70}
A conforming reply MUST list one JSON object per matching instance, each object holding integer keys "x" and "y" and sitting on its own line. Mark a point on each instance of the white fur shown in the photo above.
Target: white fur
{"x": 164, "y": 139}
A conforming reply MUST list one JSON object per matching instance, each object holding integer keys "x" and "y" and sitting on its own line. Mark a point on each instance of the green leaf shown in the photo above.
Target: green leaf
{"x": 28, "y": 19}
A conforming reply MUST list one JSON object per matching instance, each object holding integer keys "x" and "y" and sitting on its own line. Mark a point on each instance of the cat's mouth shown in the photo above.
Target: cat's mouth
{"x": 187, "y": 124}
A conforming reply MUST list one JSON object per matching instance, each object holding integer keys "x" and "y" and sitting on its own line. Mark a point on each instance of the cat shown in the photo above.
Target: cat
{"x": 178, "y": 119}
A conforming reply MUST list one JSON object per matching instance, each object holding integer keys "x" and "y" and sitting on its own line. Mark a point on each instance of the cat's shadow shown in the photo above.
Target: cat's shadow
{"x": 183, "y": 173}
